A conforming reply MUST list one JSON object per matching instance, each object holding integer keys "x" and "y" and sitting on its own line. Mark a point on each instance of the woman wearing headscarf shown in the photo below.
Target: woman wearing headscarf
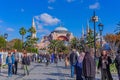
{"x": 89, "y": 67}
{"x": 79, "y": 66}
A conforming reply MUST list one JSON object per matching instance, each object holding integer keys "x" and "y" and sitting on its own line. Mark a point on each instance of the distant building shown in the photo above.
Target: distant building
{"x": 60, "y": 33}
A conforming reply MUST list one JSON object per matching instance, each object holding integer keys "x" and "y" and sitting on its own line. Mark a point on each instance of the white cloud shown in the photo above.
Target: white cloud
{"x": 47, "y": 19}
{"x": 22, "y": 10}
{"x": 10, "y": 29}
{"x": 44, "y": 20}
{"x": 51, "y": 1}
{"x": 69, "y": 1}
{"x": 95, "y": 6}
{"x": 51, "y": 8}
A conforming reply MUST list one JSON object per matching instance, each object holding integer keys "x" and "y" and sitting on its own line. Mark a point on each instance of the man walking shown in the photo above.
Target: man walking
{"x": 73, "y": 61}
{"x": 26, "y": 63}
{"x": 16, "y": 57}
{"x": 10, "y": 63}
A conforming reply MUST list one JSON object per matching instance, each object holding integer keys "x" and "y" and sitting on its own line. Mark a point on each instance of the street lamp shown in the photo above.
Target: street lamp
{"x": 94, "y": 20}
{"x": 5, "y": 36}
{"x": 100, "y": 26}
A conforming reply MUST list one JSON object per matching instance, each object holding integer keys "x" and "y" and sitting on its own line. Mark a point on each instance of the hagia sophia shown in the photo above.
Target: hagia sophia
{"x": 60, "y": 33}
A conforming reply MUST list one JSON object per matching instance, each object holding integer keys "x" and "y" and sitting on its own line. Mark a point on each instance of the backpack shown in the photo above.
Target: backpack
{"x": 28, "y": 60}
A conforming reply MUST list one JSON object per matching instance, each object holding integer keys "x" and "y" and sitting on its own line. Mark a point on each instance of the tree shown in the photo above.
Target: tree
{"x": 2, "y": 42}
{"x": 117, "y": 30}
{"x": 57, "y": 46}
{"x": 113, "y": 40}
{"x": 22, "y": 32}
{"x": 32, "y": 30}
{"x": 18, "y": 44}
{"x": 90, "y": 39}
{"x": 53, "y": 45}
{"x": 74, "y": 42}
{"x": 30, "y": 42}
{"x": 11, "y": 43}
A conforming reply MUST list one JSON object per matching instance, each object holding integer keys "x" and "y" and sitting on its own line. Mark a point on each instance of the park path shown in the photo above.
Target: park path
{"x": 38, "y": 71}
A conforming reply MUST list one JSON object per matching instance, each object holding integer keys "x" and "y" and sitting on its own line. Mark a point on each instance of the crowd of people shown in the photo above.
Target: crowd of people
{"x": 82, "y": 64}
{"x": 12, "y": 61}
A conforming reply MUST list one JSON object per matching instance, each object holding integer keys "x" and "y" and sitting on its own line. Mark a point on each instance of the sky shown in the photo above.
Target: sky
{"x": 49, "y": 14}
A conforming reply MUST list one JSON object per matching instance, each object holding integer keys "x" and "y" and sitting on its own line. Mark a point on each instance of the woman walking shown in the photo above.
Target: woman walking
{"x": 79, "y": 66}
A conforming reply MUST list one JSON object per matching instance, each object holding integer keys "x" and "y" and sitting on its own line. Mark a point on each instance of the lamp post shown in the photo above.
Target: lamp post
{"x": 5, "y": 36}
{"x": 100, "y": 26}
{"x": 94, "y": 20}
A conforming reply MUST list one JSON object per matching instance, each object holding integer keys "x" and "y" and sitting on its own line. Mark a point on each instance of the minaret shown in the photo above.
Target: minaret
{"x": 88, "y": 29}
{"x": 33, "y": 25}
{"x": 83, "y": 33}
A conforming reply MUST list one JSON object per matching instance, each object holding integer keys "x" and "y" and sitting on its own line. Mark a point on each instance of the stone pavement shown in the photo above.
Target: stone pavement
{"x": 38, "y": 71}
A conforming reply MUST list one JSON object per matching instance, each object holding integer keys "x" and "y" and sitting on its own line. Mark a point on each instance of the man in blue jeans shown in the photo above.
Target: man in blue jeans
{"x": 10, "y": 63}
{"x": 73, "y": 60}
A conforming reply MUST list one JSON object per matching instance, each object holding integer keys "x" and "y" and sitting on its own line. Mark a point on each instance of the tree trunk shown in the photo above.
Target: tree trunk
{"x": 22, "y": 41}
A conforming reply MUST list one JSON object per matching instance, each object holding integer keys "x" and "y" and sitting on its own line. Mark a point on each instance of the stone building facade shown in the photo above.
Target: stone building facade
{"x": 60, "y": 33}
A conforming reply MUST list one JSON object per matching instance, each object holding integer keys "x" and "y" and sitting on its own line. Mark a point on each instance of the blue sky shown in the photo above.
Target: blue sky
{"x": 49, "y": 14}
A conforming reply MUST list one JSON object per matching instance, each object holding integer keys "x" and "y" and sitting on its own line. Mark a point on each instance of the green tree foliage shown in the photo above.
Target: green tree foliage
{"x": 74, "y": 42}
{"x": 22, "y": 32}
{"x": 57, "y": 46}
{"x": 18, "y": 45}
{"x": 30, "y": 42}
{"x": 32, "y": 30}
{"x": 2, "y": 42}
{"x": 90, "y": 39}
{"x": 117, "y": 30}
{"x": 78, "y": 44}
{"x": 32, "y": 50}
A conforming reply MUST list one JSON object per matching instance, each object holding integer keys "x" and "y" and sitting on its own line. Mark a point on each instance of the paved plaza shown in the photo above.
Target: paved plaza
{"x": 38, "y": 71}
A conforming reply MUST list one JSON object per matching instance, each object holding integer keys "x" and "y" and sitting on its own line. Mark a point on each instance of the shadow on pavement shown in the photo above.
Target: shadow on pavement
{"x": 57, "y": 74}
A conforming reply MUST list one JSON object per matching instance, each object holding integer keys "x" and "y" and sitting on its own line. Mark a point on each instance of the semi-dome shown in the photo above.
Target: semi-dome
{"x": 61, "y": 29}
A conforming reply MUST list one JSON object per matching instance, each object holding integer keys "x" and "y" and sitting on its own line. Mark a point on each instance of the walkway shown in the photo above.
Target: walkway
{"x": 38, "y": 71}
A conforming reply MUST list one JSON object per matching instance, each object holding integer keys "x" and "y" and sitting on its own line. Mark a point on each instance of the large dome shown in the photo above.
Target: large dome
{"x": 61, "y": 29}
